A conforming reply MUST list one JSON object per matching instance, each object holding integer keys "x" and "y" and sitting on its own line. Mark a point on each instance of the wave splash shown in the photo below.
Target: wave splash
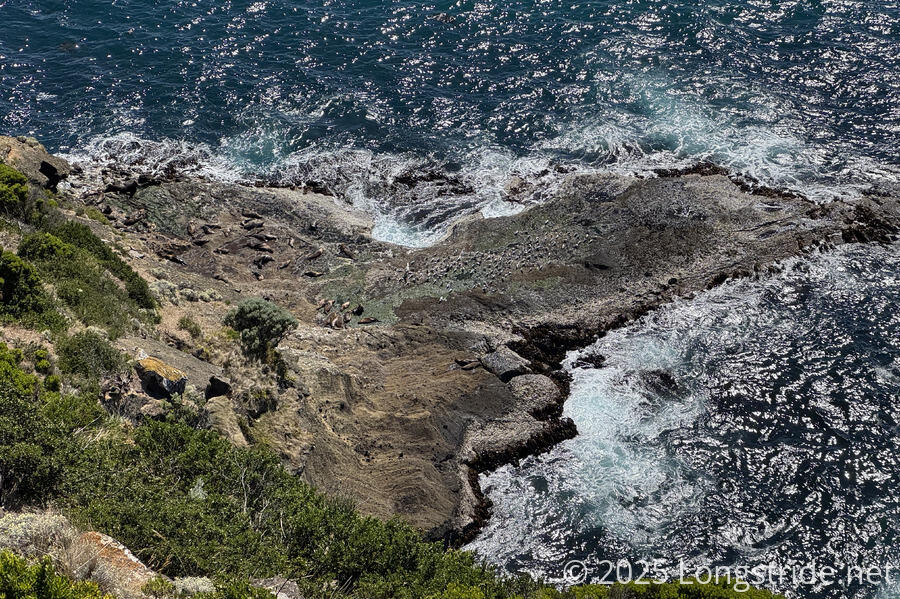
{"x": 755, "y": 424}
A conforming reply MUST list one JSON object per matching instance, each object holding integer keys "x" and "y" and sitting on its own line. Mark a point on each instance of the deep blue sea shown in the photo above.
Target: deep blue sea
{"x": 757, "y": 422}
{"x": 352, "y": 93}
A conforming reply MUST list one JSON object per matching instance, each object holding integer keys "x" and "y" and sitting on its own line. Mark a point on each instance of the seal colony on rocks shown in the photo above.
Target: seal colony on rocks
{"x": 455, "y": 368}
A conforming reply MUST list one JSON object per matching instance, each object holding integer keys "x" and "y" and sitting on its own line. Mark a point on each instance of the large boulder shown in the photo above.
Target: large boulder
{"x": 535, "y": 393}
{"x": 219, "y": 415}
{"x": 159, "y": 378}
{"x": 217, "y": 387}
{"x": 505, "y": 363}
{"x": 28, "y": 156}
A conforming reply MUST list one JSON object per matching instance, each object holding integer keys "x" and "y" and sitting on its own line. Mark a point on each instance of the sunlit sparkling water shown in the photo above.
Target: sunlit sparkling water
{"x": 757, "y": 423}
{"x": 356, "y": 93}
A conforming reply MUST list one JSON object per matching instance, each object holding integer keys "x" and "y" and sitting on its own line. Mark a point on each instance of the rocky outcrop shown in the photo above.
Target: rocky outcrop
{"x": 80, "y": 555}
{"x": 28, "y": 156}
{"x": 505, "y": 363}
{"x": 219, "y": 415}
{"x": 392, "y": 409}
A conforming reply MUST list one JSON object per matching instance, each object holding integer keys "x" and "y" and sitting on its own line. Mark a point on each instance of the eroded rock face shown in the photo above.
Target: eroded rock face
{"x": 28, "y": 156}
{"x": 536, "y": 393}
{"x": 219, "y": 415}
{"x": 160, "y": 378}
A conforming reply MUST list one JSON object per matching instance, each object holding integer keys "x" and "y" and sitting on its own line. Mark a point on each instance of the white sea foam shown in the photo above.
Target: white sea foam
{"x": 421, "y": 215}
{"x": 634, "y": 477}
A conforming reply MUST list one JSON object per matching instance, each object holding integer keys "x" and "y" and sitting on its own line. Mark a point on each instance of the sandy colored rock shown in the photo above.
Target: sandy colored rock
{"x": 28, "y": 156}
{"x": 535, "y": 392}
{"x": 159, "y": 377}
{"x": 221, "y": 417}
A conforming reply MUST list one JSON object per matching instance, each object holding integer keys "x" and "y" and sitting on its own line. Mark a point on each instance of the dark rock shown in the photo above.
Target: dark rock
{"x": 216, "y": 387}
{"x": 159, "y": 378}
{"x": 505, "y": 363}
{"x": 589, "y": 361}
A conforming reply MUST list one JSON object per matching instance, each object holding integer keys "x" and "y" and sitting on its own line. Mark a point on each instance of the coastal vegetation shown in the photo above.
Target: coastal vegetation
{"x": 261, "y": 325}
{"x": 252, "y": 519}
{"x": 184, "y": 499}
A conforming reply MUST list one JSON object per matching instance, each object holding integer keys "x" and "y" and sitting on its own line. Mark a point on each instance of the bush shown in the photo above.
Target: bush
{"x": 23, "y": 464}
{"x": 21, "y": 580}
{"x": 81, "y": 282}
{"x": 261, "y": 325}
{"x": 22, "y": 296}
{"x": 89, "y": 355}
{"x": 186, "y": 323}
{"x": 13, "y": 192}
{"x": 81, "y": 236}
{"x": 94, "y": 214}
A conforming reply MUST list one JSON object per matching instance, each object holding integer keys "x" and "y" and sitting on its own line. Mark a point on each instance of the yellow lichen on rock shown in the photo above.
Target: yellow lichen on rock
{"x": 159, "y": 377}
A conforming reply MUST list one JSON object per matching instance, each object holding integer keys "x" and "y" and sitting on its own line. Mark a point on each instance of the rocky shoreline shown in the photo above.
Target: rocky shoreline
{"x": 414, "y": 371}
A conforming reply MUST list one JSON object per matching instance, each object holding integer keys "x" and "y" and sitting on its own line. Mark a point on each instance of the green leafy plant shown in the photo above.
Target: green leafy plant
{"x": 186, "y": 323}
{"x": 22, "y": 295}
{"x": 81, "y": 282}
{"x": 81, "y": 236}
{"x": 13, "y": 192}
{"x": 89, "y": 355}
{"x": 20, "y": 579}
{"x": 158, "y": 588}
{"x": 261, "y": 325}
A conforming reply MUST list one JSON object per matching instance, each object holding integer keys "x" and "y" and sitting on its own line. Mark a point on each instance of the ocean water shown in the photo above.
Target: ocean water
{"x": 756, "y": 424}
{"x": 383, "y": 100}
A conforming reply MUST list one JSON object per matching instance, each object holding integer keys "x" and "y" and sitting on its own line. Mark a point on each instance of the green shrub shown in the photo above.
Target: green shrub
{"x": 94, "y": 214}
{"x": 261, "y": 325}
{"x": 236, "y": 589}
{"x": 52, "y": 383}
{"x": 89, "y": 355}
{"x": 22, "y": 458}
{"x": 21, "y": 580}
{"x": 81, "y": 236}
{"x": 158, "y": 588}
{"x": 186, "y": 323}
{"x": 22, "y": 296}
{"x": 81, "y": 282}
{"x": 13, "y": 192}
{"x": 41, "y": 359}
